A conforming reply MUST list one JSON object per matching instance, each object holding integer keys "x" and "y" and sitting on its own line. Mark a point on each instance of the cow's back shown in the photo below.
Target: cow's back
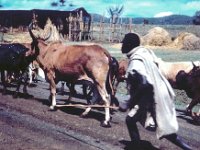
{"x": 61, "y": 54}
{"x": 10, "y": 54}
{"x": 77, "y": 61}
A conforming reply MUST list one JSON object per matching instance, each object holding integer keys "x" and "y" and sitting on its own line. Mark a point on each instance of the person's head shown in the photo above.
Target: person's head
{"x": 130, "y": 41}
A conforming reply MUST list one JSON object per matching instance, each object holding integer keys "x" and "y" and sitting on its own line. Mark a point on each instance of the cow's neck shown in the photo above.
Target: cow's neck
{"x": 42, "y": 51}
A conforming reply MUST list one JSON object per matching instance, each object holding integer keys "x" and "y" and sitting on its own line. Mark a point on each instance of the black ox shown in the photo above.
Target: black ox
{"x": 14, "y": 58}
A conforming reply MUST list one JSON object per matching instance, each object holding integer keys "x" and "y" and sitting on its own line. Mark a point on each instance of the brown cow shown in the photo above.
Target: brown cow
{"x": 123, "y": 65}
{"x": 120, "y": 75}
{"x": 72, "y": 63}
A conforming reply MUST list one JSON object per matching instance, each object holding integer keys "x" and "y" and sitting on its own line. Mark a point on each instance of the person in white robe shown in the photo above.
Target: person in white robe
{"x": 151, "y": 97}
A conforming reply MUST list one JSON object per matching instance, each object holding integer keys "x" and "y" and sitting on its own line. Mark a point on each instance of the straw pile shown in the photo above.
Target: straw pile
{"x": 187, "y": 41}
{"x": 23, "y": 37}
{"x": 156, "y": 37}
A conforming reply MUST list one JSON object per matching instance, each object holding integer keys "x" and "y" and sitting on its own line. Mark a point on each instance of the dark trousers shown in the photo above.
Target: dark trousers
{"x": 135, "y": 136}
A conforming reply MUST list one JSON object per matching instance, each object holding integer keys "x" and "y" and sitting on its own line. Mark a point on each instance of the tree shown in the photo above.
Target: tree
{"x": 115, "y": 13}
{"x": 63, "y": 2}
{"x": 54, "y": 4}
{"x": 196, "y": 19}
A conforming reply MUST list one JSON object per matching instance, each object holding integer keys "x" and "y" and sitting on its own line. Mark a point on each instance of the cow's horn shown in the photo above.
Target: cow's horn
{"x": 48, "y": 36}
{"x": 30, "y": 31}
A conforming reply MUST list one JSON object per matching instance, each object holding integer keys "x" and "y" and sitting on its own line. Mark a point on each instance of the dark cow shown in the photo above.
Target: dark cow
{"x": 173, "y": 71}
{"x": 73, "y": 63}
{"x": 14, "y": 58}
{"x": 190, "y": 82}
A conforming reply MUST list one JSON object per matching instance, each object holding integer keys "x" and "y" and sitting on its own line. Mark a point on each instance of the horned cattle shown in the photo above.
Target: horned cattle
{"x": 73, "y": 63}
{"x": 120, "y": 77}
{"x": 190, "y": 82}
{"x": 170, "y": 70}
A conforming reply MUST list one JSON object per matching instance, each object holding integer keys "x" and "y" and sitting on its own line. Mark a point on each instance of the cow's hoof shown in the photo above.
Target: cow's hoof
{"x": 188, "y": 112}
{"x": 27, "y": 96}
{"x": 105, "y": 125}
{"x": 52, "y": 108}
{"x": 4, "y": 92}
{"x": 15, "y": 95}
{"x": 83, "y": 116}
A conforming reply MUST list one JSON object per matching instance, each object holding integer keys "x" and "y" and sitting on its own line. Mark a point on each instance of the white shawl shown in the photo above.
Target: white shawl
{"x": 163, "y": 93}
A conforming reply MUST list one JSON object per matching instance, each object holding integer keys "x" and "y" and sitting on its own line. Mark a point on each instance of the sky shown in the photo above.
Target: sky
{"x": 132, "y": 8}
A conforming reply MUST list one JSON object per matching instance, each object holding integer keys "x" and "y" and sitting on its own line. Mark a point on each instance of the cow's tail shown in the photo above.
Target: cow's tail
{"x": 113, "y": 69}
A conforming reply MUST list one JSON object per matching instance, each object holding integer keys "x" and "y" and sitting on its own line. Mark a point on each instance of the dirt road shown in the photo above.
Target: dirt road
{"x": 27, "y": 123}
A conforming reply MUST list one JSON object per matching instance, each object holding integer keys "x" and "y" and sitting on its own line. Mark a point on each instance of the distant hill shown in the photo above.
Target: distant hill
{"x": 173, "y": 20}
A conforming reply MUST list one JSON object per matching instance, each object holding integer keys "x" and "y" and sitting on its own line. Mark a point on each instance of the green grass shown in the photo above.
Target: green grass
{"x": 178, "y": 55}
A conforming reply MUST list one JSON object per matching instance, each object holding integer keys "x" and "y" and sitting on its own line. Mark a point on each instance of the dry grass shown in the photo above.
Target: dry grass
{"x": 157, "y": 36}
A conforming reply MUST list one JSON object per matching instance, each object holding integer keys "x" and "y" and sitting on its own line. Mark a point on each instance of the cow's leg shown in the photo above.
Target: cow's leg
{"x": 85, "y": 113}
{"x": 19, "y": 81}
{"x": 30, "y": 73}
{"x": 85, "y": 89}
{"x": 3, "y": 81}
{"x": 62, "y": 87}
{"x": 85, "y": 86}
{"x": 52, "y": 94}
{"x": 115, "y": 85}
{"x": 26, "y": 76}
{"x": 191, "y": 105}
{"x": 72, "y": 90}
{"x": 95, "y": 96}
{"x": 105, "y": 98}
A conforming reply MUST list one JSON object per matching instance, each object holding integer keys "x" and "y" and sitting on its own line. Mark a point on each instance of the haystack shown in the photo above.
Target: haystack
{"x": 23, "y": 37}
{"x": 187, "y": 41}
{"x": 156, "y": 37}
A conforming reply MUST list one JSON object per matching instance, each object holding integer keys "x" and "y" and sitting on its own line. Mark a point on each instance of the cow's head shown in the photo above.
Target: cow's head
{"x": 36, "y": 40}
{"x": 195, "y": 72}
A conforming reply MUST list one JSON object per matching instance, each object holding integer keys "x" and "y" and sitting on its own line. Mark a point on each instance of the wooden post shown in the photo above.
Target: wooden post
{"x": 101, "y": 28}
{"x": 70, "y": 26}
{"x": 80, "y": 19}
{"x": 91, "y": 27}
{"x": 120, "y": 30}
{"x": 130, "y": 24}
{"x": 110, "y": 31}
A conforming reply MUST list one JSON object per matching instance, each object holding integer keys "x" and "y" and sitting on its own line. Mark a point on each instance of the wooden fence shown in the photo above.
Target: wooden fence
{"x": 97, "y": 31}
{"x": 110, "y": 32}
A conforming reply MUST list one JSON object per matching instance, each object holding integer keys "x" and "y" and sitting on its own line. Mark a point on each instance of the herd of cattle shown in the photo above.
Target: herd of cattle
{"x": 181, "y": 75}
{"x": 91, "y": 65}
